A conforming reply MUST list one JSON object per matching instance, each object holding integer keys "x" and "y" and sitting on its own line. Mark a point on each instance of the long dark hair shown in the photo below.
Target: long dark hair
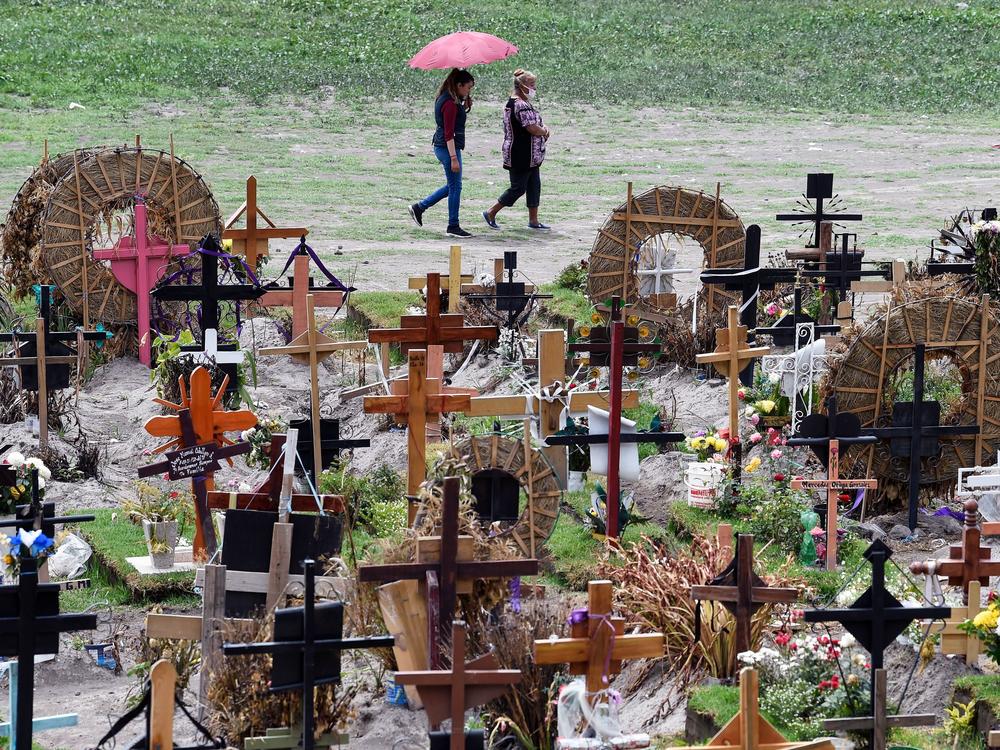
{"x": 456, "y": 78}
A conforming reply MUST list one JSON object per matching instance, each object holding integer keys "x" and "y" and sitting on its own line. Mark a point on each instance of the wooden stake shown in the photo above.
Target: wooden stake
{"x": 163, "y": 678}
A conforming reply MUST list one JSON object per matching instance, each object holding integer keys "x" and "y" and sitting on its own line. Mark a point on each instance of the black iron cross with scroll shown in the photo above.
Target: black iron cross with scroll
{"x": 788, "y": 329}
{"x": 842, "y": 268}
{"x": 819, "y": 190}
{"x": 513, "y": 300}
{"x": 331, "y": 443}
{"x": 749, "y": 281}
{"x": 306, "y": 649}
{"x": 916, "y": 427}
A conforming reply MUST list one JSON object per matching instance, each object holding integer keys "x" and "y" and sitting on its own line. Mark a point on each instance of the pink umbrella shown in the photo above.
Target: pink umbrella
{"x": 462, "y": 49}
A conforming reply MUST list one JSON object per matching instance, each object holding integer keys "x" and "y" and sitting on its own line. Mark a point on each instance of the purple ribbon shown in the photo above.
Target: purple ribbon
{"x": 515, "y": 594}
{"x": 582, "y": 615}
{"x": 958, "y": 516}
{"x": 302, "y": 247}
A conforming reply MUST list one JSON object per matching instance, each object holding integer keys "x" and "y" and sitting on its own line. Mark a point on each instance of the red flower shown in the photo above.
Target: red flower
{"x": 844, "y": 497}
{"x": 779, "y": 477}
{"x": 783, "y": 638}
{"x": 741, "y": 394}
{"x": 173, "y": 494}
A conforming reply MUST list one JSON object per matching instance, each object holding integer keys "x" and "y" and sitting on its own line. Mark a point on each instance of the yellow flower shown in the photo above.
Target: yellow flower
{"x": 698, "y": 443}
{"x": 632, "y": 320}
{"x": 753, "y": 465}
{"x": 227, "y": 245}
{"x": 8, "y": 559}
{"x": 16, "y": 491}
{"x": 596, "y": 318}
{"x": 643, "y": 331}
{"x": 987, "y": 619}
{"x": 585, "y": 331}
{"x": 765, "y": 406}
{"x": 718, "y": 443}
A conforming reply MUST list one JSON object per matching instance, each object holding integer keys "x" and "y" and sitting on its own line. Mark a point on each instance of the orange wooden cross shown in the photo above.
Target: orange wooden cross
{"x": 211, "y": 423}
{"x": 597, "y": 644}
{"x": 295, "y": 296}
{"x": 252, "y": 240}
{"x": 419, "y": 331}
{"x": 423, "y": 399}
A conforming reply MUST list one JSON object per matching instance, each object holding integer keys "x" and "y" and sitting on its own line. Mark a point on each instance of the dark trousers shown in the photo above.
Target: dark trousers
{"x": 523, "y": 181}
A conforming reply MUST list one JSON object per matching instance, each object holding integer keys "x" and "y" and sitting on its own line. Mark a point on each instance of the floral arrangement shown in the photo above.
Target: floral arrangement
{"x": 708, "y": 446}
{"x": 986, "y": 627}
{"x": 156, "y": 505}
{"x": 25, "y": 543}
{"x": 20, "y": 490}
{"x": 807, "y": 678}
{"x": 986, "y": 242}
{"x": 764, "y": 400}
{"x": 259, "y": 436}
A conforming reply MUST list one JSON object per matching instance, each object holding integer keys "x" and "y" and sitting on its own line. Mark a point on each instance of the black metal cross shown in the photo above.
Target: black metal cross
{"x": 30, "y": 624}
{"x": 843, "y": 267}
{"x": 330, "y": 443}
{"x": 817, "y": 430}
{"x": 819, "y": 188}
{"x": 34, "y": 514}
{"x": 786, "y": 328}
{"x": 306, "y": 649}
{"x": 749, "y": 281}
{"x": 962, "y": 244}
{"x": 877, "y": 618}
{"x": 916, "y": 427}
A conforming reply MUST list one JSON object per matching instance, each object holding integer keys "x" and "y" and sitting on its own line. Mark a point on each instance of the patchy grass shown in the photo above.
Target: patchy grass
{"x": 984, "y": 688}
{"x": 383, "y": 309}
{"x": 767, "y": 53}
{"x": 565, "y": 305}
{"x": 928, "y": 739}
{"x": 722, "y": 702}
{"x": 116, "y": 579}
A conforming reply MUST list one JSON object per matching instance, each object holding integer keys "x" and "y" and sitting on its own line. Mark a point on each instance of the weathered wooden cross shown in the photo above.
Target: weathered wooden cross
{"x": 452, "y": 283}
{"x": 819, "y": 188}
{"x": 205, "y": 430}
{"x": 312, "y": 347}
{"x": 876, "y": 618}
{"x": 956, "y": 641}
{"x": 597, "y": 645}
{"x": 916, "y": 427}
{"x": 306, "y": 649}
{"x": 137, "y": 261}
{"x": 879, "y": 723}
{"x": 448, "y": 694}
{"x": 749, "y": 281}
{"x": 301, "y": 286}
{"x": 743, "y": 592}
{"x": 447, "y": 565}
{"x": 44, "y": 357}
{"x": 967, "y": 561}
{"x": 824, "y": 433}
{"x": 748, "y": 730}
{"x": 252, "y": 240}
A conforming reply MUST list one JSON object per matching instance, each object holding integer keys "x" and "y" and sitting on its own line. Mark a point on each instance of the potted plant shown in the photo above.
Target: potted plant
{"x": 163, "y": 515}
{"x": 579, "y": 455}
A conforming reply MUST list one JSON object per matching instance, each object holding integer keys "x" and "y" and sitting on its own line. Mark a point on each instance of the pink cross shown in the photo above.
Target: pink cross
{"x": 137, "y": 262}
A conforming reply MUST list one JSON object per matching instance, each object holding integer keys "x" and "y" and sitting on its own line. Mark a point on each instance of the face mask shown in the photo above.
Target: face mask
{"x": 530, "y": 93}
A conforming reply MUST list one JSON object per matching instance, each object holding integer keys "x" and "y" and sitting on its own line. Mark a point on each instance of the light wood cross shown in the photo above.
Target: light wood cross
{"x": 312, "y": 347}
{"x": 423, "y": 399}
{"x": 211, "y": 422}
{"x": 447, "y": 694}
{"x": 955, "y": 641}
{"x": 597, "y": 645}
{"x": 879, "y": 723}
{"x": 296, "y": 296}
{"x": 732, "y": 354}
{"x": 252, "y": 240}
{"x": 967, "y": 561}
{"x": 748, "y": 730}
{"x": 454, "y": 283}
{"x": 544, "y": 403}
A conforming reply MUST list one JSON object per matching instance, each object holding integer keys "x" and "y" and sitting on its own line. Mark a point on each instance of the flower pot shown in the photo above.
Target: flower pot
{"x": 702, "y": 479}
{"x": 577, "y": 481}
{"x": 164, "y": 532}
{"x": 163, "y": 560}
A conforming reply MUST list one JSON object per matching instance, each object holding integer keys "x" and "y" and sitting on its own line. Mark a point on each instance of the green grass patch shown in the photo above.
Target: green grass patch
{"x": 722, "y": 703}
{"x": 383, "y": 309}
{"x": 985, "y": 687}
{"x": 773, "y": 54}
{"x": 566, "y": 304}
{"x": 114, "y": 578}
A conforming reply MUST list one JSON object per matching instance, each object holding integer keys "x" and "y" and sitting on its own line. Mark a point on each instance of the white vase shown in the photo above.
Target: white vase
{"x": 577, "y": 481}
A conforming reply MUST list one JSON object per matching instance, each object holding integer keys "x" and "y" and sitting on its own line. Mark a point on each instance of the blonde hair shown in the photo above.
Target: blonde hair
{"x": 521, "y": 78}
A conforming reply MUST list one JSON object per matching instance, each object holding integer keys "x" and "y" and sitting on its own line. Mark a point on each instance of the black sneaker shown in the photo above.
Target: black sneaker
{"x": 417, "y": 214}
{"x": 457, "y": 231}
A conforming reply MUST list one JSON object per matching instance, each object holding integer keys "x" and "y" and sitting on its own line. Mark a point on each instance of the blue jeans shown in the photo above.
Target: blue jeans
{"x": 452, "y": 188}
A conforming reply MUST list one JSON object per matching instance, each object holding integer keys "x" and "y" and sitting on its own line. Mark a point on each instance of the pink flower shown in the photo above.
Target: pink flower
{"x": 741, "y": 394}
{"x": 755, "y": 420}
{"x": 756, "y": 438}
{"x": 775, "y": 454}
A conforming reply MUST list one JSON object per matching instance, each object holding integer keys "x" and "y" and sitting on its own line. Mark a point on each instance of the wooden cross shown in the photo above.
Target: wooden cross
{"x": 209, "y": 423}
{"x": 968, "y": 561}
{"x": 452, "y": 283}
{"x": 44, "y": 357}
{"x": 732, "y": 355}
{"x": 748, "y": 730}
{"x": 955, "y": 640}
{"x": 614, "y": 438}
{"x": 252, "y": 241}
{"x": 435, "y": 369}
{"x": 819, "y": 188}
{"x": 331, "y": 443}
{"x": 449, "y": 569}
{"x": 749, "y": 281}
{"x": 209, "y": 293}
{"x": 597, "y": 645}
{"x": 138, "y": 261}
{"x": 301, "y": 286}
{"x": 916, "y": 429}
{"x": 312, "y": 347}
{"x": 549, "y": 400}
{"x": 419, "y": 331}
{"x": 878, "y": 723}
{"x": 422, "y": 400}
{"x": 824, "y": 433}
{"x": 660, "y": 273}
{"x": 876, "y": 618}
{"x": 743, "y": 592}
{"x": 788, "y": 327}
{"x": 306, "y": 649}
{"x": 265, "y": 495}
{"x": 30, "y": 624}
{"x": 449, "y": 693}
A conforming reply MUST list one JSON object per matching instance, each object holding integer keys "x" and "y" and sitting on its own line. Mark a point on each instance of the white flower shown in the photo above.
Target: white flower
{"x": 28, "y": 537}
{"x": 774, "y": 377}
{"x": 245, "y": 435}
{"x": 43, "y": 470}
{"x": 14, "y": 459}
{"x": 749, "y": 411}
{"x": 848, "y": 641}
